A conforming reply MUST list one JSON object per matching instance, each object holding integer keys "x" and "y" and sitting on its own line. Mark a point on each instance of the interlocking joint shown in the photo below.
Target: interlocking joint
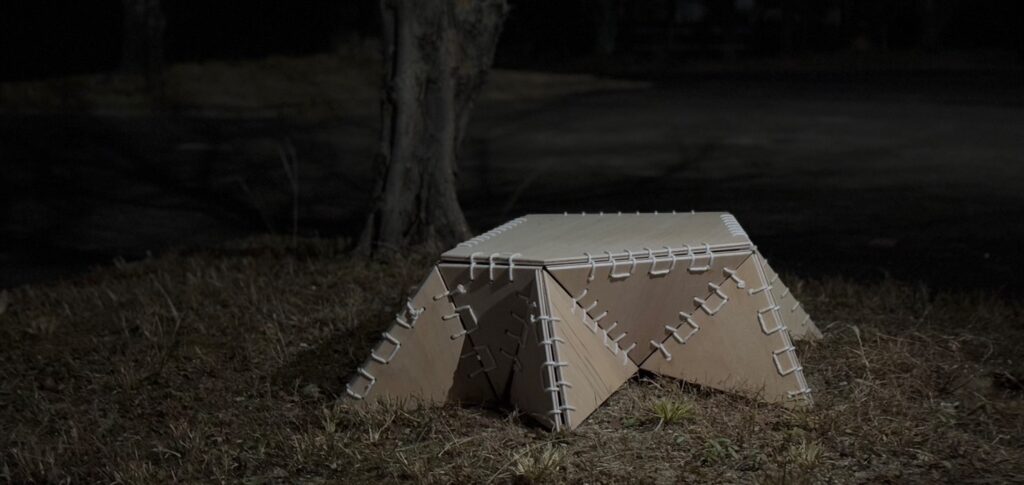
{"x": 370, "y": 381}
{"x": 576, "y": 301}
{"x": 693, "y": 259}
{"x": 407, "y": 318}
{"x": 458, "y": 290}
{"x": 760, "y": 320}
{"x": 735, "y": 277}
{"x": 472, "y": 265}
{"x": 718, "y": 292}
{"x": 791, "y": 351}
{"x": 467, "y": 327}
{"x": 688, "y": 320}
{"x": 385, "y": 360}
{"x": 484, "y": 357}
{"x": 593, "y": 266}
{"x": 661, "y": 348}
{"x": 613, "y": 274}
{"x": 654, "y": 262}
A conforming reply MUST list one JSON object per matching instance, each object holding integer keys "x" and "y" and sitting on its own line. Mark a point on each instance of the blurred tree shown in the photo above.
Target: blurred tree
{"x": 143, "y": 48}
{"x": 436, "y": 57}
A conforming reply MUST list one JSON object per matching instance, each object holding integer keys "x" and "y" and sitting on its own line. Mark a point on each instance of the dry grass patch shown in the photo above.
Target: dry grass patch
{"x": 226, "y": 365}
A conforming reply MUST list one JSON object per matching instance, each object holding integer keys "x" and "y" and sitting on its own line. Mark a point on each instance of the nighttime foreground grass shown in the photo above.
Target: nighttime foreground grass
{"x": 226, "y": 364}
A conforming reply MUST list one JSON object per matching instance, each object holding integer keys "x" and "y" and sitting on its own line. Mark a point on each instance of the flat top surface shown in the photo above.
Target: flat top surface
{"x": 566, "y": 238}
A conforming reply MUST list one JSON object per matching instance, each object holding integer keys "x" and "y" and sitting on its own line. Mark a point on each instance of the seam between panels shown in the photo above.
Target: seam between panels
{"x": 556, "y": 383}
{"x": 803, "y": 391}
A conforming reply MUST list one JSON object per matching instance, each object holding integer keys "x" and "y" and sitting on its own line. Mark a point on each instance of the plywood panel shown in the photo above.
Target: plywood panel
{"x": 734, "y": 350}
{"x": 634, "y": 310}
{"x": 796, "y": 319}
{"x": 418, "y": 358}
{"x": 493, "y": 308}
{"x": 594, "y": 371}
{"x": 557, "y": 239}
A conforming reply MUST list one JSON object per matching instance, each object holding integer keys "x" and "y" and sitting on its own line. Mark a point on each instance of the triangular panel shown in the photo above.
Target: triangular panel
{"x": 492, "y": 307}
{"x": 419, "y": 355}
{"x": 594, "y": 370}
{"x": 633, "y": 301}
{"x": 743, "y": 347}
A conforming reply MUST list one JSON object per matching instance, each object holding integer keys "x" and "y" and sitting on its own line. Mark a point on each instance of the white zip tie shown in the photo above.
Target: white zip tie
{"x": 754, "y": 291}
{"x": 703, "y": 303}
{"x": 551, "y": 341}
{"x": 760, "y": 320}
{"x": 632, "y": 265}
{"x": 576, "y": 301}
{"x": 599, "y": 317}
{"x": 687, "y": 319}
{"x": 591, "y": 307}
{"x": 366, "y": 390}
{"x": 394, "y": 351}
{"x": 784, "y": 294}
{"x": 490, "y": 265}
{"x": 512, "y": 266}
{"x": 459, "y": 290}
{"x": 660, "y": 346}
{"x": 801, "y": 392}
{"x": 554, "y": 364}
{"x": 465, "y": 329}
{"x": 733, "y": 276}
{"x": 795, "y": 306}
{"x": 486, "y": 365}
{"x": 593, "y": 266}
{"x": 693, "y": 258}
{"x": 472, "y": 265}
{"x": 778, "y": 365}
{"x": 654, "y": 262}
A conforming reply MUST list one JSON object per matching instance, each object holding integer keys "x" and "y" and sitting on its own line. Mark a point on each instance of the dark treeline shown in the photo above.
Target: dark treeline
{"x": 46, "y": 38}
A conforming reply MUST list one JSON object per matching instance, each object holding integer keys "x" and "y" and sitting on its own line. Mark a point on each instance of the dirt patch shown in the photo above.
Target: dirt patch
{"x": 226, "y": 364}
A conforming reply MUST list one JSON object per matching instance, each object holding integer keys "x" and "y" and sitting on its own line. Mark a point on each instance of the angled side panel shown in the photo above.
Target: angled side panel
{"x": 419, "y": 355}
{"x": 593, "y": 370}
{"x": 799, "y": 323}
{"x": 633, "y": 301}
{"x": 492, "y": 304}
{"x": 742, "y": 347}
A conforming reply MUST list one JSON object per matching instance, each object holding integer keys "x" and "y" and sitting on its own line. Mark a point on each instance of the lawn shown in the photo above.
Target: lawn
{"x": 226, "y": 364}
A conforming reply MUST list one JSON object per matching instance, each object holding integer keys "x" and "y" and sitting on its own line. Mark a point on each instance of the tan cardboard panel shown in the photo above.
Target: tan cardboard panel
{"x": 594, "y": 371}
{"x": 492, "y": 307}
{"x": 555, "y": 238}
{"x": 743, "y": 347}
{"x": 799, "y": 323}
{"x": 417, "y": 357}
{"x": 634, "y": 307}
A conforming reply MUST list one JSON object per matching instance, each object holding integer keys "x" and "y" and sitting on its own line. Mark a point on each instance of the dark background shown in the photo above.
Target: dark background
{"x": 865, "y": 138}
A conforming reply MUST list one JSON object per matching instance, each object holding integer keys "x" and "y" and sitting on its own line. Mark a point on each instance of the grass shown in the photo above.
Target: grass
{"x": 225, "y": 365}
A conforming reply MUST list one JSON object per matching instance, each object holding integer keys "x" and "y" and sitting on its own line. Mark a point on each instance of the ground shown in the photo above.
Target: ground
{"x": 226, "y": 364}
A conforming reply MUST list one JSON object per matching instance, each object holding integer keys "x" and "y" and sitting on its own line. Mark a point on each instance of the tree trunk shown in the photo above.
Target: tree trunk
{"x": 437, "y": 54}
{"x": 143, "y": 48}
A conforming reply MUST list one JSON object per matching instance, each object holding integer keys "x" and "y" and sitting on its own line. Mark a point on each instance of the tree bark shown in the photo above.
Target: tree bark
{"x": 437, "y": 54}
{"x": 143, "y": 47}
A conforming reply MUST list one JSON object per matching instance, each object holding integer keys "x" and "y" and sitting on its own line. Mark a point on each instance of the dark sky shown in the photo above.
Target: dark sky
{"x": 42, "y": 38}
